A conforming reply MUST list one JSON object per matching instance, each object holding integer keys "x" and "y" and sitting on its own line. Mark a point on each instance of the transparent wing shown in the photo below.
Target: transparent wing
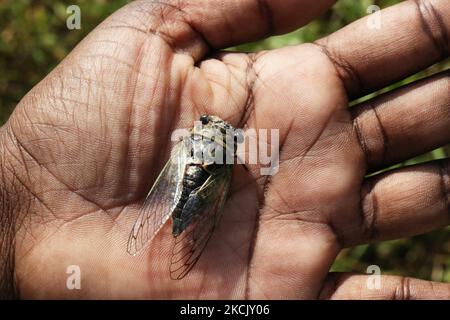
{"x": 161, "y": 200}
{"x": 206, "y": 205}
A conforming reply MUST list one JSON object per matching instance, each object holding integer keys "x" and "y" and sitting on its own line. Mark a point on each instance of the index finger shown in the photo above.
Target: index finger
{"x": 196, "y": 27}
{"x": 411, "y": 36}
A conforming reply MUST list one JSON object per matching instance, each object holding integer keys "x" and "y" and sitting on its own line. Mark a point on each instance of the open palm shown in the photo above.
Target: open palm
{"x": 83, "y": 148}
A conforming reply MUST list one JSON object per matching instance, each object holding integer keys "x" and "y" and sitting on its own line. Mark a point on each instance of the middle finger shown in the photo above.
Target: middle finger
{"x": 405, "y": 123}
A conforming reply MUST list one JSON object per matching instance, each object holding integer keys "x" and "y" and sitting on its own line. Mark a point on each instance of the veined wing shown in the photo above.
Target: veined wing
{"x": 161, "y": 200}
{"x": 206, "y": 204}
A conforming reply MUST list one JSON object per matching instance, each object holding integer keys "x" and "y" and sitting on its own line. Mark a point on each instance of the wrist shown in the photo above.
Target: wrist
{"x": 8, "y": 217}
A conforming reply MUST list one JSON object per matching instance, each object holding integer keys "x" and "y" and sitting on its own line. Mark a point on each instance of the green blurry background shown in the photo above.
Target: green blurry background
{"x": 34, "y": 38}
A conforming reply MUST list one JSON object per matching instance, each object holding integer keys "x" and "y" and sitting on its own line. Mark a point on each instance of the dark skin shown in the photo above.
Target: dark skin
{"x": 82, "y": 149}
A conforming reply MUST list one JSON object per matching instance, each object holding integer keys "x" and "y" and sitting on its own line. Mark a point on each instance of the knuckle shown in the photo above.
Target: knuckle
{"x": 346, "y": 72}
{"x": 368, "y": 123}
{"x": 403, "y": 289}
{"x": 267, "y": 15}
{"x": 170, "y": 21}
{"x": 369, "y": 213}
{"x": 433, "y": 25}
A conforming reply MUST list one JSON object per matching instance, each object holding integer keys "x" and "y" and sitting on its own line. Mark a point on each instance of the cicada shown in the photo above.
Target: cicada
{"x": 191, "y": 191}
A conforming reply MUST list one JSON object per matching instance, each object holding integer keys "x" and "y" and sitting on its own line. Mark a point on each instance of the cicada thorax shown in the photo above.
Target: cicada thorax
{"x": 212, "y": 150}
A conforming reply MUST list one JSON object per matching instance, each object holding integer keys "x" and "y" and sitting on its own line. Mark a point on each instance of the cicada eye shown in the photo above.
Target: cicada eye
{"x": 204, "y": 119}
{"x": 238, "y": 136}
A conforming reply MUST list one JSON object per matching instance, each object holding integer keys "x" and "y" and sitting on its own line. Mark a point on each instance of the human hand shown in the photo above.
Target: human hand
{"x": 82, "y": 149}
